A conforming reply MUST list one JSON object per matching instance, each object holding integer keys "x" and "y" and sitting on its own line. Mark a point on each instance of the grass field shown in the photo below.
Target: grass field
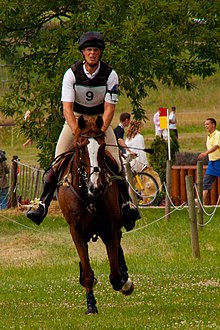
{"x": 39, "y": 286}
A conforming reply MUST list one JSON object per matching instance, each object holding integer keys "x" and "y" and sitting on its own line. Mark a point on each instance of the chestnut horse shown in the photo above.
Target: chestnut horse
{"x": 88, "y": 195}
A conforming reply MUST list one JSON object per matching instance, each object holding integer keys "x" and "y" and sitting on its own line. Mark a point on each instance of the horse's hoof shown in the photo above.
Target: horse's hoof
{"x": 127, "y": 288}
{"x": 95, "y": 282}
{"x": 92, "y": 310}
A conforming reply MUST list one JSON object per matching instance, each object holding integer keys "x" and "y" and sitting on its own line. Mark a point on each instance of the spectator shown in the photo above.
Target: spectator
{"x": 213, "y": 152}
{"x": 4, "y": 170}
{"x": 134, "y": 139}
{"x": 172, "y": 121}
{"x": 158, "y": 131}
{"x": 125, "y": 119}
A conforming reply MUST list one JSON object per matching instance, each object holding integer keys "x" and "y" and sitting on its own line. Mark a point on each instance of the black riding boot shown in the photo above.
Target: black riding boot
{"x": 130, "y": 212}
{"x": 50, "y": 184}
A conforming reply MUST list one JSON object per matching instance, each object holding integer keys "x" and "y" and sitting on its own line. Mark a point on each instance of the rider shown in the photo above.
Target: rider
{"x": 90, "y": 87}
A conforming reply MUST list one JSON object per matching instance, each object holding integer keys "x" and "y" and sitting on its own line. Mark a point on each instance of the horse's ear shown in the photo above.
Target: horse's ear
{"x": 99, "y": 122}
{"x": 81, "y": 122}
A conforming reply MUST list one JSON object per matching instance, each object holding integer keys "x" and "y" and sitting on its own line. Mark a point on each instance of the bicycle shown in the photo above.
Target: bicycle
{"x": 143, "y": 184}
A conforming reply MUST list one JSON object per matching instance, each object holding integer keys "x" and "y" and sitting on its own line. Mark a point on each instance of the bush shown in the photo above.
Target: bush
{"x": 160, "y": 156}
{"x": 188, "y": 158}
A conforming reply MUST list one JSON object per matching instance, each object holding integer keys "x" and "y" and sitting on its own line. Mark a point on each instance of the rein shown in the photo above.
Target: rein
{"x": 60, "y": 157}
{"x": 89, "y": 201}
{"x": 148, "y": 150}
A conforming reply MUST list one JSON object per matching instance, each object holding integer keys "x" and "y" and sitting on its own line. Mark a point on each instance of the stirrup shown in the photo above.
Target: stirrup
{"x": 38, "y": 215}
{"x": 129, "y": 205}
{"x": 41, "y": 205}
{"x": 130, "y": 215}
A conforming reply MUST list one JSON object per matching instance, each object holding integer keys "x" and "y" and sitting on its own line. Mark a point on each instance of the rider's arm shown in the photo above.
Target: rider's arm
{"x": 109, "y": 110}
{"x": 68, "y": 99}
{"x": 69, "y": 115}
{"x": 111, "y": 99}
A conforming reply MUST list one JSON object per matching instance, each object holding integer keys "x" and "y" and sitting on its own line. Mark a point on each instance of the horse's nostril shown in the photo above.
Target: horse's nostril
{"x": 96, "y": 191}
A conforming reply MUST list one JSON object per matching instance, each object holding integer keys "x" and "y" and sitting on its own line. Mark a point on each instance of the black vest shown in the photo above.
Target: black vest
{"x": 90, "y": 93}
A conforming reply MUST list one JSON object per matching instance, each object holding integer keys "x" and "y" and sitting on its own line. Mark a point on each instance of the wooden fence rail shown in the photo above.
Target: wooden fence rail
{"x": 178, "y": 191}
{"x": 26, "y": 182}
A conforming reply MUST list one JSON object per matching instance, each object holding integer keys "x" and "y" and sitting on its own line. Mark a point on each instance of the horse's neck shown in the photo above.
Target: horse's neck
{"x": 111, "y": 162}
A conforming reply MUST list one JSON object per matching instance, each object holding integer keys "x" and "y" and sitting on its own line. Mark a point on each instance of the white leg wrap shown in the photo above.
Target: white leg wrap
{"x": 127, "y": 285}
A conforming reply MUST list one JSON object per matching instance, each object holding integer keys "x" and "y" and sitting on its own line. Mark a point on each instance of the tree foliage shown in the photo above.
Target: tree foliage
{"x": 147, "y": 41}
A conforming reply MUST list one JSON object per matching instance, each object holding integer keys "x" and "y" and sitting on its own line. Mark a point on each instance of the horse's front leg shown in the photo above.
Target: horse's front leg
{"x": 112, "y": 246}
{"x": 86, "y": 272}
{"x": 128, "y": 286}
{"x": 119, "y": 277}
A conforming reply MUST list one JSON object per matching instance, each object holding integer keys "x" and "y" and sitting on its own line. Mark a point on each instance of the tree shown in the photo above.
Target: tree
{"x": 147, "y": 41}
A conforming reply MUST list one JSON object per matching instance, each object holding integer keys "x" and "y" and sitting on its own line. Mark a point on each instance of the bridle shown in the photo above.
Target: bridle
{"x": 84, "y": 164}
{"x": 85, "y": 171}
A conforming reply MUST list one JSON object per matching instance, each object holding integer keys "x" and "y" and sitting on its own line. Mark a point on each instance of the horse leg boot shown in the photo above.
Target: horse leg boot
{"x": 50, "y": 185}
{"x": 130, "y": 212}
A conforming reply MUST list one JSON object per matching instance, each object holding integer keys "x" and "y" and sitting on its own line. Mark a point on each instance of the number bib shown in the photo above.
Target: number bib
{"x": 89, "y": 96}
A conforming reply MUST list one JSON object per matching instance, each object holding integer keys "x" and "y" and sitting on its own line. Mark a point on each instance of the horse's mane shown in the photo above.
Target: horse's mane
{"x": 111, "y": 162}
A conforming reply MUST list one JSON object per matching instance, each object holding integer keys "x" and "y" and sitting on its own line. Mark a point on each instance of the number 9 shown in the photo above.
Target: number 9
{"x": 89, "y": 96}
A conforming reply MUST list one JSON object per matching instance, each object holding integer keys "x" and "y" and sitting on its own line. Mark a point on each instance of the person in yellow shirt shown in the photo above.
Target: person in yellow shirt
{"x": 213, "y": 152}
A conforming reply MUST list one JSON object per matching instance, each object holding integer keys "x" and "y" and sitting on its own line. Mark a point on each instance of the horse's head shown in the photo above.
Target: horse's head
{"x": 90, "y": 147}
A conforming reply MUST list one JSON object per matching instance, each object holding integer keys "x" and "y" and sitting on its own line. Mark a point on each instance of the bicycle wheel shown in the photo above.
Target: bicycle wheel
{"x": 150, "y": 191}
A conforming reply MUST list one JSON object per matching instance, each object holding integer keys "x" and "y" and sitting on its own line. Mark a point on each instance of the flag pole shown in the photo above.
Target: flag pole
{"x": 168, "y": 137}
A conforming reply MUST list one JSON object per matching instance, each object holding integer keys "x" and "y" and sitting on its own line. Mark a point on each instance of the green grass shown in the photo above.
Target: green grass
{"x": 39, "y": 276}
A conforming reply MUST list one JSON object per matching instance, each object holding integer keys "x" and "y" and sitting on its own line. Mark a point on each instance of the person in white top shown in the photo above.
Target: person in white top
{"x": 134, "y": 139}
{"x": 172, "y": 121}
{"x": 90, "y": 88}
{"x": 158, "y": 131}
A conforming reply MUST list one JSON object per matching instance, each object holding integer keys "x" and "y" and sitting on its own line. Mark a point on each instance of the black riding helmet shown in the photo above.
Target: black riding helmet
{"x": 91, "y": 39}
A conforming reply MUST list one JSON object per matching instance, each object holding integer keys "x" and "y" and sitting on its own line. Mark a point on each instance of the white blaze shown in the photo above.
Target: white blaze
{"x": 93, "y": 148}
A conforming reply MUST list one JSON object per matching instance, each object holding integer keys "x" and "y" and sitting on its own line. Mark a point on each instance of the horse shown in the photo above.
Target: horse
{"x": 88, "y": 196}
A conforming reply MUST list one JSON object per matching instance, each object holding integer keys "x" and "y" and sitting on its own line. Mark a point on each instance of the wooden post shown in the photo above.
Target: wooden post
{"x": 37, "y": 182}
{"x": 200, "y": 192}
{"x": 32, "y": 177}
{"x": 218, "y": 193}
{"x": 183, "y": 197}
{"x": 168, "y": 194}
{"x": 213, "y": 192}
{"x": 192, "y": 217}
{"x": 14, "y": 176}
{"x": 131, "y": 182}
{"x": 175, "y": 186}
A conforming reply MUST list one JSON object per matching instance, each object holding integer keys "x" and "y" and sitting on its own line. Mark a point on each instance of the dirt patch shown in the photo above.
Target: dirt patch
{"x": 209, "y": 283}
{"x": 19, "y": 250}
{"x": 54, "y": 209}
